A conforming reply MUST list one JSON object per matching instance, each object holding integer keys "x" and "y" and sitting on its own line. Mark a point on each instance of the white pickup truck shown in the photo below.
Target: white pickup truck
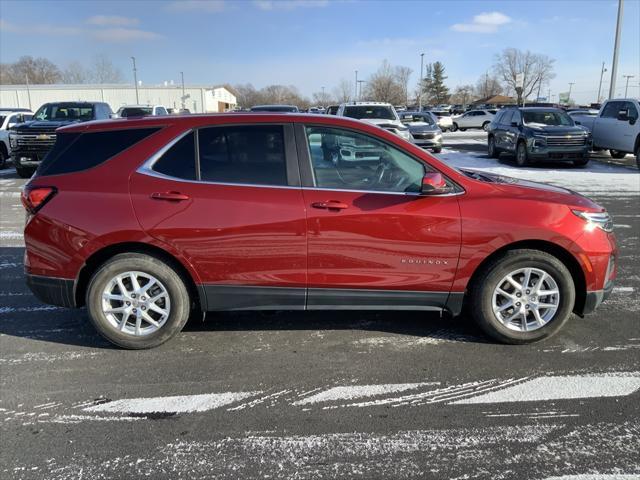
{"x": 8, "y": 118}
{"x": 616, "y": 128}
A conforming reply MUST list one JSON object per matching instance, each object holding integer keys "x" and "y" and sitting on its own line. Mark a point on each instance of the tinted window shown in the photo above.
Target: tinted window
{"x": 252, "y": 155}
{"x": 370, "y": 111}
{"x": 516, "y": 117}
{"x": 506, "y": 117}
{"x": 64, "y": 112}
{"x": 343, "y": 159}
{"x": 74, "y": 152}
{"x": 180, "y": 160}
{"x": 134, "y": 111}
{"x": 632, "y": 111}
{"x": 611, "y": 109}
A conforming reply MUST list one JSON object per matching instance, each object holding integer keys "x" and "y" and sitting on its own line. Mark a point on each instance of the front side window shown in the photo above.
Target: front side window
{"x": 632, "y": 111}
{"x": 611, "y": 109}
{"x": 252, "y": 155}
{"x": 180, "y": 160}
{"x": 347, "y": 160}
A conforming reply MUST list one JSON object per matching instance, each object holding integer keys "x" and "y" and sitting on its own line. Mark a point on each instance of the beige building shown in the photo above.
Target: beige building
{"x": 198, "y": 99}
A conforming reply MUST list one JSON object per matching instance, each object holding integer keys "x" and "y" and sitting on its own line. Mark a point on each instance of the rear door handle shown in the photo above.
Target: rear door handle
{"x": 330, "y": 205}
{"x": 170, "y": 196}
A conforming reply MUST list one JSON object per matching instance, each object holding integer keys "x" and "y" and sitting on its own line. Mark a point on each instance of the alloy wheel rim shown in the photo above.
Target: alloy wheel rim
{"x": 526, "y": 299}
{"x": 136, "y": 303}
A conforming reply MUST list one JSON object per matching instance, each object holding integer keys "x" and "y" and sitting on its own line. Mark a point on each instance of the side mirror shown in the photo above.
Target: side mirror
{"x": 434, "y": 184}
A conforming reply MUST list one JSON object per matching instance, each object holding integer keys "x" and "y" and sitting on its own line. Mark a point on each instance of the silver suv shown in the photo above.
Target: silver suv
{"x": 378, "y": 113}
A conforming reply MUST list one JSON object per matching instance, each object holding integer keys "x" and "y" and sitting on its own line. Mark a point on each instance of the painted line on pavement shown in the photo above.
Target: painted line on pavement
{"x": 359, "y": 391}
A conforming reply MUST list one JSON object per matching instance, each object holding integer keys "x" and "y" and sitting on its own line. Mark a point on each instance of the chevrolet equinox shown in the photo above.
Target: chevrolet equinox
{"x": 147, "y": 220}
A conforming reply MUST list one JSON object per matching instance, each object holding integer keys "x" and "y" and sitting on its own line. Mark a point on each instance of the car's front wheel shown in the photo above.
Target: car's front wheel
{"x": 437, "y": 149}
{"x": 3, "y": 158}
{"x": 137, "y": 301}
{"x": 522, "y": 156}
{"x": 454, "y": 127}
{"x": 491, "y": 148}
{"x": 24, "y": 172}
{"x": 617, "y": 154}
{"x": 522, "y": 296}
{"x": 581, "y": 162}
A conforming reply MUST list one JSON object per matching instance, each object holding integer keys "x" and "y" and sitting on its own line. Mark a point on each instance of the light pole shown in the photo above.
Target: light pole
{"x": 420, "y": 82}
{"x": 183, "y": 97}
{"x": 360, "y": 82}
{"x": 571, "y": 84}
{"x": 626, "y": 87}
{"x": 135, "y": 79}
{"x": 323, "y": 99}
{"x": 356, "y": 92}
{"x": 600, "y": 86}
{"x": 616, "y": 46}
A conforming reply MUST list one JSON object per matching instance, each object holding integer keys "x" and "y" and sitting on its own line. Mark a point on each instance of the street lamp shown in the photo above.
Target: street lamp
{"x": 135, "y": 79}
{"x": 356, "y": 92}
{"x": 360, "y": 82}
{"x": 183, "y": 97}
{"x": 616, "y": 46}
{"x": 626, "y": 87}
{"x": 600, "y": 86}
{"x": 420, "y": 82}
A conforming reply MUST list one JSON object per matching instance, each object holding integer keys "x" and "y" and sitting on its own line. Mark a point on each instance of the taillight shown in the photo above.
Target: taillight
{"x": 34, "y": 197}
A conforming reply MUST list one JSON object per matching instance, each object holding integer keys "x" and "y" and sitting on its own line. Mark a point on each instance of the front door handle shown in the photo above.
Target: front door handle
{"x": 330, "y": 205}
{"x": 170, "y": 196}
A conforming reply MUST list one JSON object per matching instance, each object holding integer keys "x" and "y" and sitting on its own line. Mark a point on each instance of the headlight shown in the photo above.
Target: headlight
{"x": 601, "y": 220}
{"x": 438, "y": 136}
{"x": 13, "y": 140}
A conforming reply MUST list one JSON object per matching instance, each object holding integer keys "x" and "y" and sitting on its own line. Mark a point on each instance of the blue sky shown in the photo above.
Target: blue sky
{"x": 316, "y": 43}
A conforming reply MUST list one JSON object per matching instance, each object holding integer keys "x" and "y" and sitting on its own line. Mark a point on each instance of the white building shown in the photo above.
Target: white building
{"x": 198, "y": 99}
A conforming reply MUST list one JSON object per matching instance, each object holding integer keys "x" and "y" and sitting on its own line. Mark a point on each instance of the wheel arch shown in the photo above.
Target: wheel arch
{"x": 562, "y": 254}
{"x": 102, "y": 255}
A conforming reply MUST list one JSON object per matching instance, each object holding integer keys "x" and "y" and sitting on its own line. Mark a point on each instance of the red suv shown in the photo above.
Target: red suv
{"x": 146, "y": 220}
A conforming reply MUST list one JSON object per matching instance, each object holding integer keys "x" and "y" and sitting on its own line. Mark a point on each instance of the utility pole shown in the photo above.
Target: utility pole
{"x": 323, "y": 99}
{"x": 616, "y": 46}
{"x": 600, "y": 86}
{"x": 360, "y": 82}
{"x": 626, "y": 87}
{"x": 135, "y": 79}
{"x": 420, "y": 82}
{"x": 183, "y": 97}
{"x": 356, "y": 92}
{"x": 571, "y": 84}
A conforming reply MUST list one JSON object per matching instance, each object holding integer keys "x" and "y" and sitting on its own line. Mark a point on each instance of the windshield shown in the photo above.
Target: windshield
{"x": 370, "y": 111}
{"x": 408, "y": 118}
{"x": 545, "y": 119}
{"x": 135, "y": 111}
{"x": 64, "y": 112}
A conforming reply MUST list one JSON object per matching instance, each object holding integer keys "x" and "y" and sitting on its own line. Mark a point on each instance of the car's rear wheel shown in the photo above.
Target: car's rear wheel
{"x": 617, "y": 154}
{"x": 454, "y": 127}
{"x": 485, "y": 126}
{"x": 522, "y": 296}
{"x": 522, "y": 156}
{"x": 137, "y": 301}
{"x": 491, "y": 148}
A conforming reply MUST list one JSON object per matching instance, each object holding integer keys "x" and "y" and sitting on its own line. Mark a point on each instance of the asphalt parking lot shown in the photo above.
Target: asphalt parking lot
{"x": 309, "y": 395}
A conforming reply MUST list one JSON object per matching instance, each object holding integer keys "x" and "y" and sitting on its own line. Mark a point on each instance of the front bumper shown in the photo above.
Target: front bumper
{"x": 54, "y": 291}
{"x": 27, "y": 159}
{"x": 594, "y": 299}
{"x": 544, "y": 152}
{"x": 423, "y": 141}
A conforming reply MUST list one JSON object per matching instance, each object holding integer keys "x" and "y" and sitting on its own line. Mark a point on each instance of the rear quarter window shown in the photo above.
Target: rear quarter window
{"x": 74, "y": 152}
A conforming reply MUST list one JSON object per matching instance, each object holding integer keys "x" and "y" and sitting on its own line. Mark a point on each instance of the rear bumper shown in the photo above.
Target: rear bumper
{"x": 595, "y": 298}
{"x": 54, "y": 291}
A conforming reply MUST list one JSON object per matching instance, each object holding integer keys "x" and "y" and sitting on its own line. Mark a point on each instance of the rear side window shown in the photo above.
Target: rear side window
{"x": 180, "y": 160}
{"x": 252, "y": 155}
{"x": 74, "y": 152}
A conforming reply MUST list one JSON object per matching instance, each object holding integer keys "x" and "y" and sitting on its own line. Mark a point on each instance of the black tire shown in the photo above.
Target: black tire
{"x": 617, "y": 154}
{"x": 638, "y": 155}
{"x": 582, "y": 162}
{"x": 25, "y": 172}
{"x": 485, "y": 126}
{"x": 462, "y": 129}
{"x": 454, "y": 127}
{"x": 492, "y": 151}
{"x": 522, "y": 156}
{"x": 437, "y": 149}
{"x": 173, "y": 282}
{"x": 3, "y": 157}
{"x": 487, "y": 280}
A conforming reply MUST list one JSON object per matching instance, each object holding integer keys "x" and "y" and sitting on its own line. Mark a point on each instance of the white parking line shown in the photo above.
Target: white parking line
{"x": 562, "y": 388}
{"x": 359, "y": 391}
{"x": 175, "y": 404}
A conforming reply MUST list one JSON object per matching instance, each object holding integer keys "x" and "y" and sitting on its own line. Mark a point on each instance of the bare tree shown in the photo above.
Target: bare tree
{"x": 343, "y": 91}
{"x": 536, "y": 70}
{"x": 34, "y": 70}
{"x": 75, "y": 73}
{"x": 104, "y": 71}
{"x": 488, "y": 86}
{"x": 383, "y": 86}
{"x": 247, "y": 96}
{"x": 462, "y": 94}
{"x": 402, "y": 75}
{"x": 322, "y": 98}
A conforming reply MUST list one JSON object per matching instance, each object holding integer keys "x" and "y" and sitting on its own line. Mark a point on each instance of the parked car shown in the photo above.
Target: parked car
{"x": 575, "y": 114}
{"x": 443, "y": 118}
{"x": 616, "y": 127}
{"x": 9, "y": 118}
{"x": 275, "y": 108}
{"x": 127, "y": 111}
{"x": 458, "y": 109}
{"x": 31, "y": 141}
{"x": 396, "y": 229}
{"x": 332, "y": 109}
{"x": 538, "y": 133}
{"x": 424, "y": 130}
{"x": 473, "y": 119}
{"x": 377, "y": 113}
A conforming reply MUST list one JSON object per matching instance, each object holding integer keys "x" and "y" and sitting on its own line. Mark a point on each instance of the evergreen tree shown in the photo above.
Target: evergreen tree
{"x": 439, "y": 92}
